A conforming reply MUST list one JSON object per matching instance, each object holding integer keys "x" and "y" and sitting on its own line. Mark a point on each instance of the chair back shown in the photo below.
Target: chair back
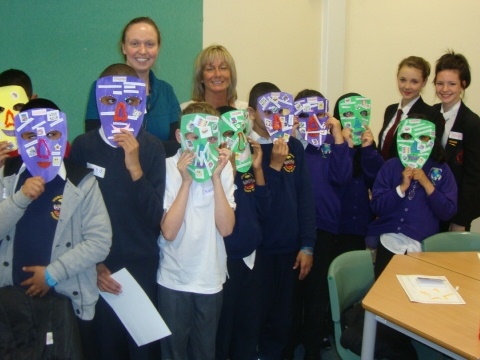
{"x": 350, "y": 276}
{"x": 452, "y": 241}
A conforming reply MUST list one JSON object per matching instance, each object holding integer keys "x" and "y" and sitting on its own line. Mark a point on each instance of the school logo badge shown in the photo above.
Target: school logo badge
{"x": 248, "y": 182}
{"x": 57, "y": 206}
{"x": 289, "y": 163}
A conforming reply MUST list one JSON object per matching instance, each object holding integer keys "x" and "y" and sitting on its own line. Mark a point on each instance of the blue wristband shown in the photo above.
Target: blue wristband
{"x": 49, "y": 280}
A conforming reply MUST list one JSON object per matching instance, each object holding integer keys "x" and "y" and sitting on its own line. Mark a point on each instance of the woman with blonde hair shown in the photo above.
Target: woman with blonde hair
{"x": 215, "y": 79}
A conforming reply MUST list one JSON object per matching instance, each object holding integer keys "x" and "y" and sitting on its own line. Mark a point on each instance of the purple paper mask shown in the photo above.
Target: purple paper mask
{"x": 42, "y": 139}
{"x": 121, "y": 102}
{"x": 277, "y": 112}
{"x": 312, "y": 115}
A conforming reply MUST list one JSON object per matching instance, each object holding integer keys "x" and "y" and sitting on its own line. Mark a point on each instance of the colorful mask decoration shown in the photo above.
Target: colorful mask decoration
{"x": 415, "y": 140}
{"x": 12, "y": 98}
{"x": 355, "y": 114}
{"x": 42, "y": 139}
{"x": 312, "y": 115}
{"x": 277, "y": 111}
{"x": 121, "y": 102}
{"x": 199, "y": 134}
{"x": 233, "y": 127}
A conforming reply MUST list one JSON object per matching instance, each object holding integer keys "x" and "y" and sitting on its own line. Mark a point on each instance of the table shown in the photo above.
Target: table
{"x": 466, "y": 263}
{"x": 450, "y": 329}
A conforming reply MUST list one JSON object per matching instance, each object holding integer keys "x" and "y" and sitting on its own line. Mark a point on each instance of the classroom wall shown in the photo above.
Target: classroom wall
{"x": 65, "y": 45}
{"x": 377, "y": 34}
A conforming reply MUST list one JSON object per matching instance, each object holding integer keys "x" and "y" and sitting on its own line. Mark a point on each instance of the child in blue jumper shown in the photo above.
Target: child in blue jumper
{"x": 411, "y": 200}
{"x": 286, "y": 251}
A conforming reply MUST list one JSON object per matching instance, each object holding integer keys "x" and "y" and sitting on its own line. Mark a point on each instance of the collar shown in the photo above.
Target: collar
{"x": 261, "y": 140}
{"x": 62, "y": 172}
{"x": 406, "y": 109}
{"x": 452, "y": 113}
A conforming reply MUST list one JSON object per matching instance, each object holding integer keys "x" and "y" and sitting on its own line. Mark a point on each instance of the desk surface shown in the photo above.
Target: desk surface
{"x": 453, "y": 327}
{"x": 465, "y": 263}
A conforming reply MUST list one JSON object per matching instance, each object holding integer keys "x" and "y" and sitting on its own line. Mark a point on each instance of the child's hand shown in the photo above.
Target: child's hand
{"x": 4, "y": 150}
{"x": 37, "y": 283}
{"x": 335, "y": 129}
{"x": 367, "y": 137}
{"x": 407, "y": 175}
{"x": 105, "y": 282}
{"x": 33, "y": 187}
{"x": 257, "y": 154}
{"x": 279, "y": 154}
{"x": 347, "y": 136}
{"x": 186, "y": 159}
{"x": 305, "y": 262}
{"x": 421, "y": 177}
{"x": 223, "y": 158}
{"x": 130, "y": 145}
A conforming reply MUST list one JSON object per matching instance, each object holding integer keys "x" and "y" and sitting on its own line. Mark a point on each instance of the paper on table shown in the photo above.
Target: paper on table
{"x": 429, "y": 289}
{"x": 135, "y": 310}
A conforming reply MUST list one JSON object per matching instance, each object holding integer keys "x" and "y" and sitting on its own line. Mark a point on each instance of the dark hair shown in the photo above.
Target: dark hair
{"x": 308, "y": 93}
{"x": 139, "y": 20}
{"x": 40, "y": 103}
{"x": 258, "y": 90}
{"x": 417, "y": 63}
{"x": 438, "y": 153}
{"x": 19, "y": 78}
{"x": 118, "y": 69}
{"x": 224, "y": 109}
{"x": 452, "y": 61}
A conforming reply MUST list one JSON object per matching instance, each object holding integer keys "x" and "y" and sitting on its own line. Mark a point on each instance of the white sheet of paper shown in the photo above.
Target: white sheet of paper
{"x": 137, "y": 313}
{"x": 430, "y": 289}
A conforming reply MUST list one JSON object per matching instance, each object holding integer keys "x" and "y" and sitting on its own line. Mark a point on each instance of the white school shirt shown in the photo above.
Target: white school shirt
{"x": 449, "y": 117}
{"x": 405, "y": 110}
{"x": 196, "y": 261}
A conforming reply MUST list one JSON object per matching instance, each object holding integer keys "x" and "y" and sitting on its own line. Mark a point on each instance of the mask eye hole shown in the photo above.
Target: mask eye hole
{"x": 108, "y": 100}
{"x": 29, "y": 135}
{"x": 18, "y": 107}
{"x": 364, "y": 113}
{"x": 284, "y": 111}
{"x": 228, "y": 133}
{"x": 268, "y": 112}
{"x": 424, "y": 138}
{"x": 212, "y": 139}
{"x": 54, "y": 135}
{"x": 406, "y": 136}
{"x": 191, "y": 136}
{"x": 2, "y": 109}
{"x": 303, "y": 115}
{"x": 348, "y": 114}
{"x": 133, "y": 101}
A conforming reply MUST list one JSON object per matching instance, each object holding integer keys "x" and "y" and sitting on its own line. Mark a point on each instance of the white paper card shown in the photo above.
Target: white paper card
{"x": 429, "y": 289}
{"x": 137, "y": 313}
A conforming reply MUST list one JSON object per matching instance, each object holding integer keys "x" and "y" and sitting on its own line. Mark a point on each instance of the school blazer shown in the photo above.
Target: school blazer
{"x": 420, "y": 107}
{"x": 462, "y": 151}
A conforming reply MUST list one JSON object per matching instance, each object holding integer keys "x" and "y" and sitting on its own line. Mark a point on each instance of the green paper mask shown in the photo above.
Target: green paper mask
{"x": 415, "y": 140}
{"x": 199, "y": 134}
{"x": 355, "y": 114}
{"x": 233, "y": 127}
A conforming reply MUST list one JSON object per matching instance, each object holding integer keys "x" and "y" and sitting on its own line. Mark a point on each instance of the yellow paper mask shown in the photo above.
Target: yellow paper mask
{"x": 12, "y": 98}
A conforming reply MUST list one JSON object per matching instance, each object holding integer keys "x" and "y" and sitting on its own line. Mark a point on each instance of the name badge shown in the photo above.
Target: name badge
{"x": 98, "y": 171}
{"x": 455, "y": 135}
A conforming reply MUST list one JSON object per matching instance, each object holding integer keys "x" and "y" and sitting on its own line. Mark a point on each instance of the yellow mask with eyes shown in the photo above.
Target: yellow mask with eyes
{"x": 12, "y": 98}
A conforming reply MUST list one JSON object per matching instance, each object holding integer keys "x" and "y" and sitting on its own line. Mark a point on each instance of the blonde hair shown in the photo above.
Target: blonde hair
{"x": 206, "y": 57}
{"x": 200, "y": 108}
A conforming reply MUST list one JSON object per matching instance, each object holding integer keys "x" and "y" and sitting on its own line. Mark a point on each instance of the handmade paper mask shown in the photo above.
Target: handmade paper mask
{"x": 415, "y": 140}
{"x": 199, "y": 134}
{"x": 312, "y": 115}
{"x": 121, "y": 102}
{"x": 42, "y": 138}
{"x": 277, "y": 112}
{"x": 233, "y": 132}
{"x": 355, "y": 114}
{"x": 12, "y": 98}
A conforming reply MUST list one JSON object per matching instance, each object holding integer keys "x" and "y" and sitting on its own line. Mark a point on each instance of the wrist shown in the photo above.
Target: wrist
{"x": 49, "y": 280}
{"x": 308, "y": 250}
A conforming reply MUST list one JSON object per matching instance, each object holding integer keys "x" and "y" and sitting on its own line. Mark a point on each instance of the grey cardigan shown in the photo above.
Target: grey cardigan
{"x": 82, "y": 238}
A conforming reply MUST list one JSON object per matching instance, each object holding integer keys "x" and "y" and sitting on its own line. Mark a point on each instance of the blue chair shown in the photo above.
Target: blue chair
{"x": 452, "y": 241}
{"x": 350, "y": 276}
